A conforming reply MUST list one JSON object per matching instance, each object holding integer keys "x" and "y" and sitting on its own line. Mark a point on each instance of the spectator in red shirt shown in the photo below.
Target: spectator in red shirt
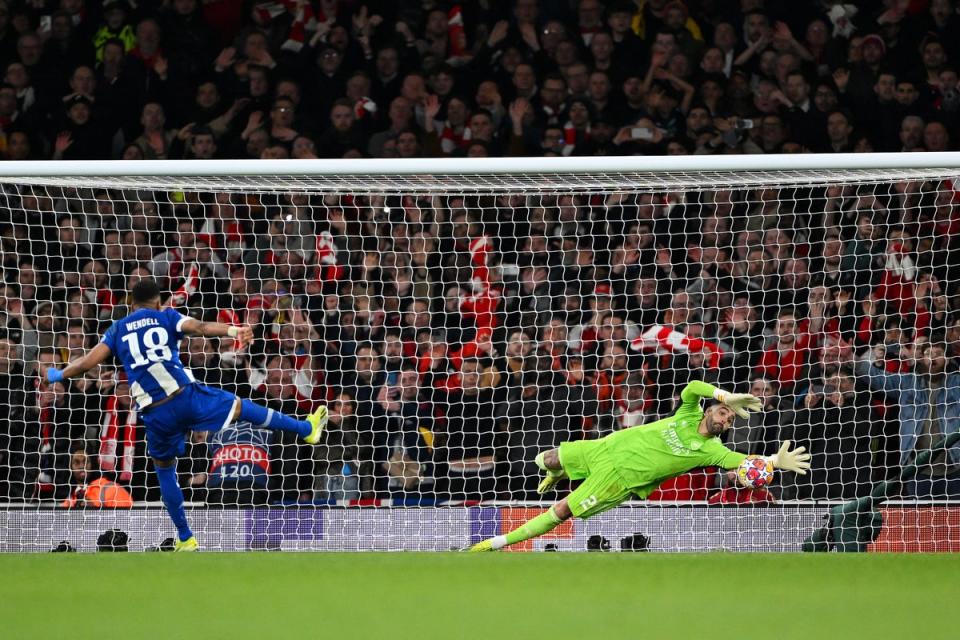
{"x": 785, "y": 358}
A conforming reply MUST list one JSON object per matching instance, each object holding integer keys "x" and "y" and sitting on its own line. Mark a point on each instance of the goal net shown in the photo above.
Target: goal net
{"x": 460, "y": 318}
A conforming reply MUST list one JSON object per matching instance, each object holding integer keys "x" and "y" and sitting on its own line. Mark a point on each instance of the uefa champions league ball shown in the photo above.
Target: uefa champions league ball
{"x": 755, "y": 472}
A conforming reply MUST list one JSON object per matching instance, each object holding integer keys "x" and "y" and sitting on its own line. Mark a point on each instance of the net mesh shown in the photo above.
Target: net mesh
{"x": 457, "y": 325}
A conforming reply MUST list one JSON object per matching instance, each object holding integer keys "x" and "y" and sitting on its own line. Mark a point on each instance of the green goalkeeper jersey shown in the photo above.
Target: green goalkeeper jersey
{"x": 647, "y": 455}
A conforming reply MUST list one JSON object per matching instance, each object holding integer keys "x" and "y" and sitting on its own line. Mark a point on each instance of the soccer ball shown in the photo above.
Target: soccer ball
{"x": 755, "y": 472}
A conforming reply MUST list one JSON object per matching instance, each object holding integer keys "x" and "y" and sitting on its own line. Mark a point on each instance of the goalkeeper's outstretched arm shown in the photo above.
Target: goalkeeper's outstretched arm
{"x": 740, "y": 403}
{"x": 697, "y": 389}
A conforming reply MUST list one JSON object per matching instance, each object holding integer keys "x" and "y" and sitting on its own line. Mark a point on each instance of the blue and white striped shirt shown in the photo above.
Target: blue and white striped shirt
{"x": 147, "y": 343}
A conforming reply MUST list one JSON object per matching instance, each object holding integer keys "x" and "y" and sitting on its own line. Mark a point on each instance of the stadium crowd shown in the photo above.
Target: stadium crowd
{"x": 454, "y": 337}
{"x": 84, "y": 79}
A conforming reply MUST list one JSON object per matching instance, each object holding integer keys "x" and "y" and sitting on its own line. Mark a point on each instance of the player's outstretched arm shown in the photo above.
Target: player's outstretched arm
{"x": 218, "y": 330}
{"x": 80, "y": 366}
{"x": 741, "y": 403}
{"x": 697, "y": 389}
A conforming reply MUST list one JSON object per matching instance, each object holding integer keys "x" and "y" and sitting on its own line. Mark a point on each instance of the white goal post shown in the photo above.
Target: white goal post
{"x": 460, "y": 316}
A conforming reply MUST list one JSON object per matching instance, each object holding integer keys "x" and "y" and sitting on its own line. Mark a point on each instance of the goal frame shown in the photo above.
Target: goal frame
{"x": 482, "y": 166}
{"x": 633, "y": 172}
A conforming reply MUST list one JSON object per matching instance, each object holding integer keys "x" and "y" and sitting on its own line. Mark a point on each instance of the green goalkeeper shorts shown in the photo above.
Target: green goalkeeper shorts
{"x": 602, "y": 488}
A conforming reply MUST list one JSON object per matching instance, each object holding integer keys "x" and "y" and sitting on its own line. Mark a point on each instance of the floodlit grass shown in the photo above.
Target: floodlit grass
{"x": 505, "y": 595}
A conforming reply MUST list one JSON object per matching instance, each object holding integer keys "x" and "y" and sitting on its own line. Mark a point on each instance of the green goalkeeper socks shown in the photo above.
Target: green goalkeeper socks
{"x": 538, "y": 526}
{"x": 546, "y": 521}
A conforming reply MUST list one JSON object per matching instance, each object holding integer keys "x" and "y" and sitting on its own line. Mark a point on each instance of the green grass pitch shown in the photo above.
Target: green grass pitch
{"x": 506, "y": 595}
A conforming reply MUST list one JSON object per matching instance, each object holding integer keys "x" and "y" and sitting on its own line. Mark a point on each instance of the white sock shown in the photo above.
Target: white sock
{"x": 553, "y": 473}
{"x": 540, "y": 463}
{"x": 498, "y": 542}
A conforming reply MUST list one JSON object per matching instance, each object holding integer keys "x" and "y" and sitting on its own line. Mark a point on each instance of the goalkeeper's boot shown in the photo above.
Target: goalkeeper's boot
{"x": 317, "y": 420}
{"x": 190, "y": 544}
{"x": 553, "y": 477}
{"x": 486, "y": 545}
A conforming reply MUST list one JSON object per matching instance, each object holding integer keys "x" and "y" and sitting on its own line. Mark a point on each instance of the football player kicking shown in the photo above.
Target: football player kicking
{"x": 146, "y": 343}
{"x": 634, "y": 461}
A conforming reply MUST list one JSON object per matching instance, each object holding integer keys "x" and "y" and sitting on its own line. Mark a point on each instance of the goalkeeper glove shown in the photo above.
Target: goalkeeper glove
{"x": 54, "y": 375}
{"x": 796, "y": 460}
{"x": 740, "y": 403}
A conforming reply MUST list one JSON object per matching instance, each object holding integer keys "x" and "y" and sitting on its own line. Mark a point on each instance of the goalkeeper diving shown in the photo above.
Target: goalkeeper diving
{"x": 171, "y": 402}
{"x": 634, "y": 461}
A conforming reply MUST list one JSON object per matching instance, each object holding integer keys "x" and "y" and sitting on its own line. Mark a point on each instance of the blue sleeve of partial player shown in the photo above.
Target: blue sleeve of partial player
{"x": 110, "y": 338}
{"x": 175, "y": 320}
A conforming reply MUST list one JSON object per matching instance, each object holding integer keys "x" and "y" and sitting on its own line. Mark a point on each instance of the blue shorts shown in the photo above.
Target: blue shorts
{"x": 196, "y": 408}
